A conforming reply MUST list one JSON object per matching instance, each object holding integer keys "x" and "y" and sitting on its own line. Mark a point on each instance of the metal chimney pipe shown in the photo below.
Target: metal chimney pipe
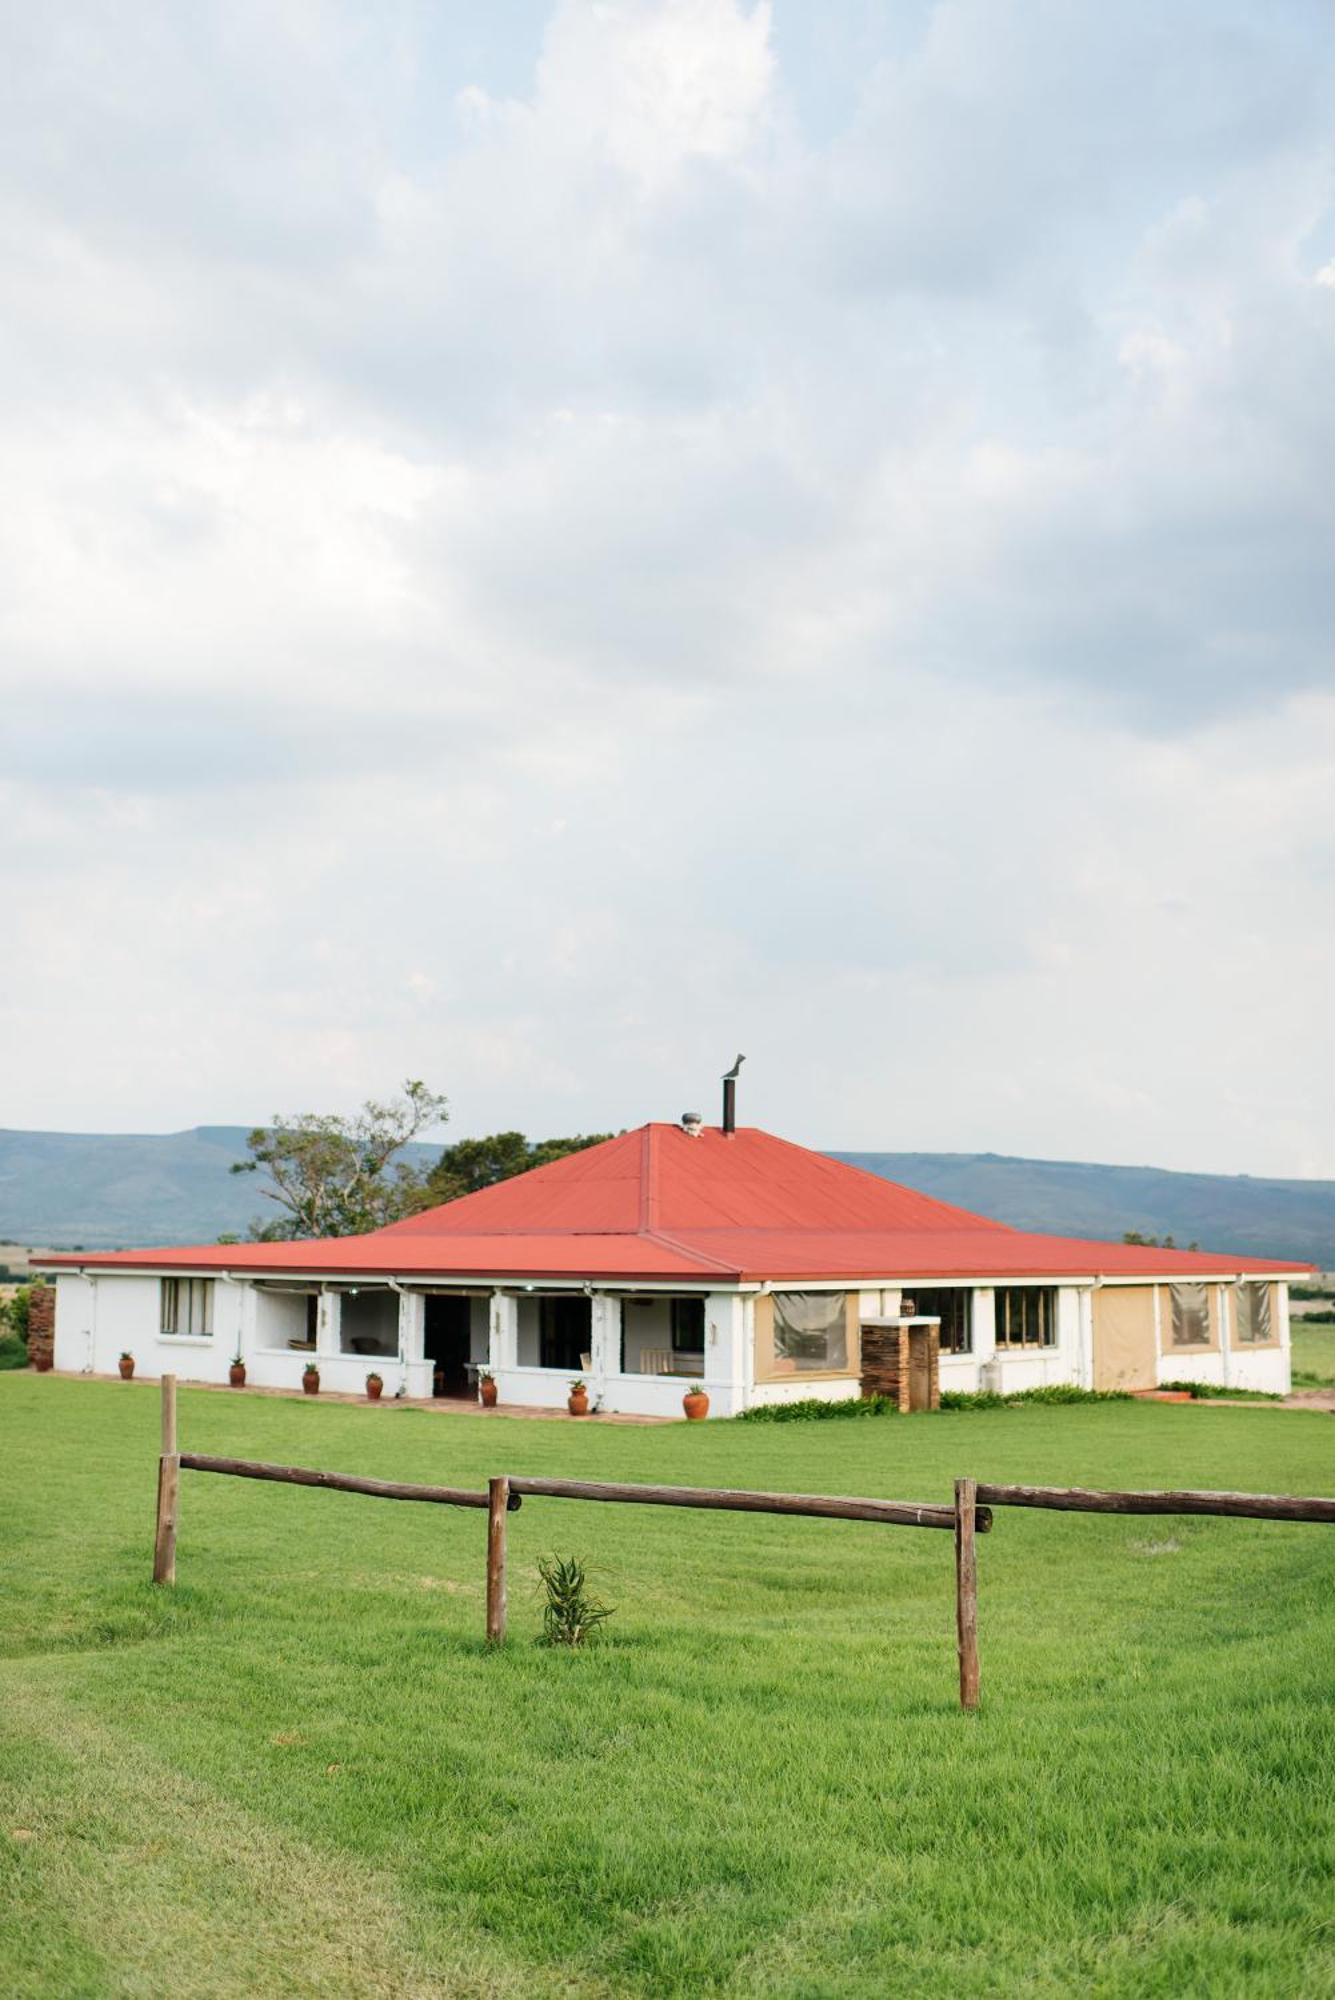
{"x": 730, "y": 1096}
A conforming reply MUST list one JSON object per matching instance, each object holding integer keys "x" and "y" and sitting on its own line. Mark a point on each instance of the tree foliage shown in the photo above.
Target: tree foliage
{"x": 339, "y": 1176}
{"x": 473, "y": 1164}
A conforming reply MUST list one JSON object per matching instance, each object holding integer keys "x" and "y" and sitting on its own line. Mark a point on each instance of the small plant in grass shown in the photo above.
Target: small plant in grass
{"x": 570, "y": 1617}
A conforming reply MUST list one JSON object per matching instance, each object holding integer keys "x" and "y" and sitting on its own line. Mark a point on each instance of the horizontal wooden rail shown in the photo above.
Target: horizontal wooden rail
{"x": 832, "y": 1507}
{"x": 339, "y": 1482}
{"x": 1078, "y": 1500}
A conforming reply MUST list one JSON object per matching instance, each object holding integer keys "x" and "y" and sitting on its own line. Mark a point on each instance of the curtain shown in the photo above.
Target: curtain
{"x": 811, "y": 1329}
{"x": 1191, "y": 1316}
{"x": 1253, "y": 1314}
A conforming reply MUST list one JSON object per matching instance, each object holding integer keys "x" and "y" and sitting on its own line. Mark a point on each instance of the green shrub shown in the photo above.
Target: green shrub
{"x": 810, "y": 1408}
{"x": 13, "y": 1352}
{"x": 814, "y": 1408}
{"x": 1049, "y": 1393}
{"x": 1214, "y": 1392}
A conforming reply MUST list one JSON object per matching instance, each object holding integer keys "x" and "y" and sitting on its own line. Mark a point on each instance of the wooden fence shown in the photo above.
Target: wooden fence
{"x": 968, "y": 1517}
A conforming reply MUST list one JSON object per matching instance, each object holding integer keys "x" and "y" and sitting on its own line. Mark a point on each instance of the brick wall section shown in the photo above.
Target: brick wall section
{"x": 885, "y": 1363}
{"x": 42, "y": 1326}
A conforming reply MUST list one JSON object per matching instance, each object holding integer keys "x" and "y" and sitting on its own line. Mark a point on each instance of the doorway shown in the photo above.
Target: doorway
{"x": 446, "y": 1343}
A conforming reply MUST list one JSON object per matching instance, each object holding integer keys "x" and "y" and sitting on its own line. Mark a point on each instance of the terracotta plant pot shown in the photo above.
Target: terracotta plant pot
{"x": 696, "y": 1405}
{"x": 236, "y": 1375}
{"x": 577, "y": 1402}
{"x": 126, "y": 1367}
{"x": 486, "y": 1391}
{"x": 374, "y": 1386}
{"x": 310, "y": 1382}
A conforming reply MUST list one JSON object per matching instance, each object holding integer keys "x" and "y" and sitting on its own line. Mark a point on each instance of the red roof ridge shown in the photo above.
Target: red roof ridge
{"x": 689, "y": 1250}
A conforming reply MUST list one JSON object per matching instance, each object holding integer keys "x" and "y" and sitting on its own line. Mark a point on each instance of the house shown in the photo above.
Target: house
{"x": 720, "y": 1255}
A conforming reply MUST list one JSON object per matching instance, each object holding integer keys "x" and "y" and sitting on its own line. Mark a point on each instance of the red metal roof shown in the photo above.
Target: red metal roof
{"x": 658, "y": 1204}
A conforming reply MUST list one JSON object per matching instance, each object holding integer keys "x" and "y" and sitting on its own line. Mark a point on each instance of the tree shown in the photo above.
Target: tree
{"x": 473, "y": 1164}
{"x": 339, "y": 1176}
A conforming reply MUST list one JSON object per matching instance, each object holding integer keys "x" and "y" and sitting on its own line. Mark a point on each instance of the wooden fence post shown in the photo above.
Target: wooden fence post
{"x": 169, "y": 1489}
{"x": 498, "y": 1506}
{"x": 966, "y": 1590}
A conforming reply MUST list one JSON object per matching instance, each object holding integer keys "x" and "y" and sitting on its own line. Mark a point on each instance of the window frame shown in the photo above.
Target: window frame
{"x": 171, "y": 1292}
{"x": 1043, "y": 1299}
{"x": 927, "y": 1303}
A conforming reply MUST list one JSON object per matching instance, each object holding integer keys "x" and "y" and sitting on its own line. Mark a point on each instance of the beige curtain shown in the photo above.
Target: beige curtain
{"x": 1191, "y": 1315}
{"x": 811, "y": 1329}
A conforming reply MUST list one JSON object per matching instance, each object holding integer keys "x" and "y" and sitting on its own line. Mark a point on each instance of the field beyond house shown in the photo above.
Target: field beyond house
{"x": 302, "y": 1773}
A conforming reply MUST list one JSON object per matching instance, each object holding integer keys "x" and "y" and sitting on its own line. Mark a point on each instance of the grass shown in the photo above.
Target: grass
{"x": 302, "y": 1773}
{"x": 1313, "y": 1355}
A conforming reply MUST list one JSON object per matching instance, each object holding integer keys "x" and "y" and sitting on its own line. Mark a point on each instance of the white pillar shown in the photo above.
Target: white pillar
{"x": 604, "y": 1341}
{"x": 328, "y": 1320}
{"x": 725, "y": 1349}
{"x": 503, "y": 1336}
{"x": 1068, "y": 1354}
{"x": 1227, "y": 1299}
{"x": 1085, "y": 1376}
{"x": 984, "y": 1330}
{"x": 90, "y": 1364}
{"x": 412, "y": 1333}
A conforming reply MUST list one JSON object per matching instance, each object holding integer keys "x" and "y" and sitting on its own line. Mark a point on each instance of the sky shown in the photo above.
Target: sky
{"x": 543, "y": 545}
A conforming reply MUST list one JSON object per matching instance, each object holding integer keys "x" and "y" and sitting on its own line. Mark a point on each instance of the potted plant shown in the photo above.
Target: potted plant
{"x": 577, "y": 1402}
{"x": 236, "y": 1373}
{"x": 486, "y": 1389}
{"x": 310, "y": 1379}
{"x": 126, "y": 1366}
{"x": 374, "y": 1384}
{"x": 695, "y": 1402}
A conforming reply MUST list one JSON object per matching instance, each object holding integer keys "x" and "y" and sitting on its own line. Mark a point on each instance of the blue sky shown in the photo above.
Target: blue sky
{"x": 542, "y": 545}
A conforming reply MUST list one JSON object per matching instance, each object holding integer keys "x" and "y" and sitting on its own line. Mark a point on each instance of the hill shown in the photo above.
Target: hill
{"x": 102, "y": 1190}
{"x": 1268, "y": 1218}
{"x": 99, "y": 1190}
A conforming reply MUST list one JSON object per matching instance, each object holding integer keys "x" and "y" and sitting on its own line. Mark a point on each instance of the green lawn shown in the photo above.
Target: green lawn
{"x": 302, "y": 1773}
{"x": 1313, "y": 1356}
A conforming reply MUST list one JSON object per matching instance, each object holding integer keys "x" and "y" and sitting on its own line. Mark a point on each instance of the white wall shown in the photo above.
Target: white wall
{"x": 99, "y": 1318}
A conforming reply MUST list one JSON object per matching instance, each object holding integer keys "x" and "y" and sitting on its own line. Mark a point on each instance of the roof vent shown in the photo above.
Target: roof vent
{"x": 692, "y": 1124}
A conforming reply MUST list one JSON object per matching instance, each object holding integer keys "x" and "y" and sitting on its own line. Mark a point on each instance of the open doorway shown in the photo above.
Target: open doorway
{"x": 445, "y": 1343}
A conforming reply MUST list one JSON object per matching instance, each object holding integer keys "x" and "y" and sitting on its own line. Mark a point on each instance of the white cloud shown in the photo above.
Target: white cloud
{"x": 538, "y": 578}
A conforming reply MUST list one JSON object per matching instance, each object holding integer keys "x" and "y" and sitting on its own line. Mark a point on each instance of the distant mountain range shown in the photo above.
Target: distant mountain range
{"x": 102, "y": 1190}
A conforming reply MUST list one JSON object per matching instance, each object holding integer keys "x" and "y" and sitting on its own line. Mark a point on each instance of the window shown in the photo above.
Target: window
{"x": 1191, "y": 1315}
{"x": 811, "y": 1329}
{"x": 1026, "y": 1317}
{"x": 565, "y": 1332}
{"x": 688, "y": 1326}
{"x": 954, "y": 1309}
{"x": 1252, "y": 1322}
{"x": 187, "y": 1306}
